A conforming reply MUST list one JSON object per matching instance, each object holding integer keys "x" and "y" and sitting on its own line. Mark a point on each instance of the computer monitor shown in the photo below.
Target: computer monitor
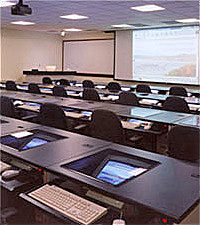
{"x": 32, "y": 104}
{"x": 25, "y": 140}
{"x": 115, "y": 170}
{"x": 35, "y": 142}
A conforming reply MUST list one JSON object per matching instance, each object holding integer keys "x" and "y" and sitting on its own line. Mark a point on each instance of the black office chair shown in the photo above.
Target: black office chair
{"x": 180, "y": 91}
{"x": 34, "y": 88}
{"x": 176, "y": 104}
{"x": 143, "y": 88}
{"x": 128, "y": 98}
{"x": 90, "y": 94}
{"x": 107, "y": 126}
{"x": 183, "y": 143}
{"x": 8, "y": 108}
{"x": 10, "y": 85}
{"x": 46, "y": 80}
{"x": 64, "y": 82}
{"x": 114, "y": 86}
{"x": 88, "y": 84}
{"x": 53, "y": 116}
{"x": 59, "y": 91}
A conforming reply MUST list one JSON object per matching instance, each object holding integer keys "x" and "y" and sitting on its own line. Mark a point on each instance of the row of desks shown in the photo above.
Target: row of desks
{"x": 169, "y": 189}
{"x": 148, "y": 114}
{"x": 106, "y": 95}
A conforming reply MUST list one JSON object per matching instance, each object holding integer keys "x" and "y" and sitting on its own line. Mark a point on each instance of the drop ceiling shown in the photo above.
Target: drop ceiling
{"x": 102, "y": 14}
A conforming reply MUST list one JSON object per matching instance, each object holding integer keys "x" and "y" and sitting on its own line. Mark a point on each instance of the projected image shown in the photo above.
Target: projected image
{"x": 116, "y": 172}
{"x": 166, "y": 54}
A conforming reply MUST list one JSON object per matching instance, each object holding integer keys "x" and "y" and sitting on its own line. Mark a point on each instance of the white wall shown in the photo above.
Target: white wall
{"x": 123, "y": 55}
{"x": 25, "y": 50}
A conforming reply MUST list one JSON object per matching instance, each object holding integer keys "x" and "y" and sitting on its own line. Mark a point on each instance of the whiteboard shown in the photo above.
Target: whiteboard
{"x": 89, "y": 56}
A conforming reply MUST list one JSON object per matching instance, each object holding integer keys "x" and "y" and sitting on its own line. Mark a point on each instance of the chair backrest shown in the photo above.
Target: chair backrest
{"x": 180, "y": 91}
{"x": 7, "y": 107}
{"x": 114, "y": 86}
{"x": 10, "y": 85}
{"x": 176, "y": 104}
{"x": 90, "y": 94}
{"x": 106, "y": 125}
{"x": 143, "y": 88}
{"x": 88, "y": 84}
{"x": 52, "y": 115}
{"x": 59, "y": 91}
{"x": 46, "y": 80}
{"x": 64, "y": 82}
{"x": 183, "y": 143}
{"x": 127, "y": 98}
{"x": 34, "y": 88}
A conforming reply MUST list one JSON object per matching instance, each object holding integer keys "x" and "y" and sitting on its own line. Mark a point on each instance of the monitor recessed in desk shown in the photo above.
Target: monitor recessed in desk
{"x": 24, "y": 140}
{"x": 116, "y": 172}
{"x": 32, "y": 104}
{"x": 111, "y": 166}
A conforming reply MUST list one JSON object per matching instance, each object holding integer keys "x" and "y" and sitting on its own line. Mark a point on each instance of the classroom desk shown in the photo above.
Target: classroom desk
{"x": 166, "y": 89}
{"x": 70, "y": 146}
{"x": 167, "y": 192}
{"x": 160, "y": 189}
{"x": 158, "y": 97}
{"x": 153, "y": 115}
{"x": 11, "y": 125}
{"x": 162, "y": 98}
{"x": 106, "y": 95}
{"x": 190, "y": 121}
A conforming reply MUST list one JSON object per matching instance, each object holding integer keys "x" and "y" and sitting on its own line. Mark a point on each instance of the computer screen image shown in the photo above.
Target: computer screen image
{"x": 111, "y": 167}
{"x": 35, "y": 142}
{"x": 26, "y": 140}
{"x": 117, "y": 172}
{"x": 32, "y": 104}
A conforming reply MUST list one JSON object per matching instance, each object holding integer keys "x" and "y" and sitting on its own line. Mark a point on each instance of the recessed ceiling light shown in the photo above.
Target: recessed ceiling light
{"x": 190, "y": 20}
{"x": 74, "y": 17}
{"x": 24, "y": 23}
{"x": 72, "y": 29}
{"x": 5, "y": 3}
{"x": 121, "y": 25}
{"x": 148, "y": 8}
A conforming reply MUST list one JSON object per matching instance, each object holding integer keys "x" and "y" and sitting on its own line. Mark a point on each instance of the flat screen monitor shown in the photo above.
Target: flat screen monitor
{"x": 35, "y": 142}
{"x": 86, "y": 113}
{"x": 115, "y": 172}
{"x": 32, "y": 104}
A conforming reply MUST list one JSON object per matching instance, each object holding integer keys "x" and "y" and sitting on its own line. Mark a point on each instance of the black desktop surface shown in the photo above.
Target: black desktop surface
{"x": 54, "y": 152}
{"x": 169, "y": 188}
{"x": 14, "y": 125}
{"x": 153, "y": 115}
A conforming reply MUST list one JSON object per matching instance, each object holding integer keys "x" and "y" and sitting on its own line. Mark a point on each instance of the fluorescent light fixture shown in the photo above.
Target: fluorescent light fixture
{"x": 74, "y": 17}
{"x": 72, "y": 29}
{"x": 148, "y": 8}
{"x": 121, "y": 26}
{"x": 190, "y": 20}
{"x": 4, "y": 3}
{"x": 23, "y": 23}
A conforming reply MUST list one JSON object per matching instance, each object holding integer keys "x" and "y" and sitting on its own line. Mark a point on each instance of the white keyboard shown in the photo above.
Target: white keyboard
{"x": 4, "y": 166}
{"x": 68, "y": 204}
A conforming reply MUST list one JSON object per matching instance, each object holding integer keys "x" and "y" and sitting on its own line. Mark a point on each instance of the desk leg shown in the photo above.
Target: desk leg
{"x": 46, "y": 177}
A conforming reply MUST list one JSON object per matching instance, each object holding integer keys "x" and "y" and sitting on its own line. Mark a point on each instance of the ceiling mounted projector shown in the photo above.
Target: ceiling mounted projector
{"x": 20, "y": 9}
